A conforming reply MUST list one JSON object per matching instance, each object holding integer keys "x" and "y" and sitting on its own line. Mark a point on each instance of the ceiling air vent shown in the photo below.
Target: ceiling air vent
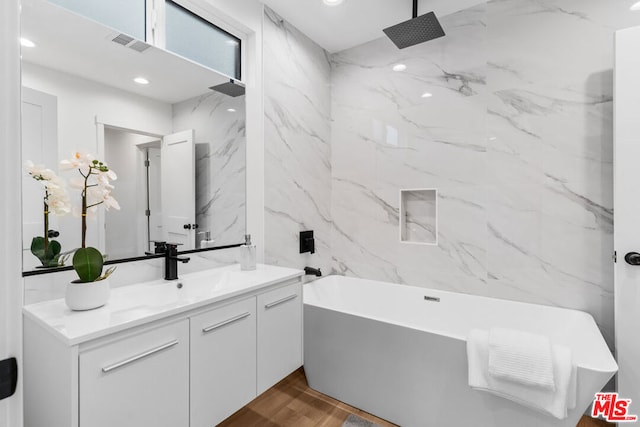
{"x": 130, "y": 42}
{"x": 139, "y": 46}
{"x": 123, "y": 39}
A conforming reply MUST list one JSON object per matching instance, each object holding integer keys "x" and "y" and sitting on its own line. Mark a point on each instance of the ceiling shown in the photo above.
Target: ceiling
{"x": 94, "y": 56}
{"x": 354, "y": 22}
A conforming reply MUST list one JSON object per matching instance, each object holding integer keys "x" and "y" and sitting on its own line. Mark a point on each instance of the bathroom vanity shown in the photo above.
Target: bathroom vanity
{"x": 188, "y": 352}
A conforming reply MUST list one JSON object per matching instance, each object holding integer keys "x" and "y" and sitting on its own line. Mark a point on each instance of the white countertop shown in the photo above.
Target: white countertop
{"x": 139, "y": 304}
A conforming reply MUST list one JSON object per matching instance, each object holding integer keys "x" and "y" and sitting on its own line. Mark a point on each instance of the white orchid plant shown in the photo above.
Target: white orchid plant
{"x": 56, "y": 201}
{"x": 95, "y": 188}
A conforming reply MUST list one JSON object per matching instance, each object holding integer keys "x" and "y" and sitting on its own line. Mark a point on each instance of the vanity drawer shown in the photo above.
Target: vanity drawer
{"x": 140, "y": 380}
{"x": 279, "y": 334}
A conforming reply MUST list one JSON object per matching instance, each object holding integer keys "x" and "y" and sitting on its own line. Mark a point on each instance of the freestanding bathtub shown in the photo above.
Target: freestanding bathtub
{"x": 390, "y": 351}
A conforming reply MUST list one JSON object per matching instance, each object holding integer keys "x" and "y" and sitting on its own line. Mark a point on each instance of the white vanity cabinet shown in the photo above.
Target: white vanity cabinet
{"x": 223, "y": 362}
{"x": 175, "y": 364}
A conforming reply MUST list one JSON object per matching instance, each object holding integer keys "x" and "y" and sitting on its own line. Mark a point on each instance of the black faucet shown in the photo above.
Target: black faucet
{"x": 313, "y": 271}
{"x": 171, "y": 261}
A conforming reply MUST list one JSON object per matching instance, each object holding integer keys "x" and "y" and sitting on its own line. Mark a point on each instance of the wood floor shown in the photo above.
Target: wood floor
{"x": 291, "y": 403}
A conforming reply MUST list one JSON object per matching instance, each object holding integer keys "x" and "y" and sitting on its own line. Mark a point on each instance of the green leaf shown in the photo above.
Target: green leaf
{"x": 37, "y": 247}
{"x": 48, "y": 258}
{"x": 87, "y": 262}
{"x": 53, "y": 250}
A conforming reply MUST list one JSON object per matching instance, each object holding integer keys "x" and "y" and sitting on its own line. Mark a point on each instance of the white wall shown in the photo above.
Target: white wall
{"x": 10, "y": 218}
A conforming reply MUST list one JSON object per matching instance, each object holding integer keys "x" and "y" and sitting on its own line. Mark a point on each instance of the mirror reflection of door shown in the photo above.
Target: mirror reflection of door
{"x": 153, "y": 169}
{"x": 179, "y": 187}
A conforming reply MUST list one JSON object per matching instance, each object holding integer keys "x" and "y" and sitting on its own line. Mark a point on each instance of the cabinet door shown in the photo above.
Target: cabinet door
{"x": 223, "y": 362}
{"x": 140, "y": 380}
{"x": 279, "y": 334}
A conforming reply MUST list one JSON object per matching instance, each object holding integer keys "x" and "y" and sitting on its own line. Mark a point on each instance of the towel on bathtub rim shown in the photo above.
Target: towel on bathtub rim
{"x": 521, "y": 357}
{"x": 555, "y": 403}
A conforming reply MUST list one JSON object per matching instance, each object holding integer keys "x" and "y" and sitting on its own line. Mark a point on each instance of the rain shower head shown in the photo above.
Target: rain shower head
{"x": 231, "y": 88}
{"x": 420, "y": 29}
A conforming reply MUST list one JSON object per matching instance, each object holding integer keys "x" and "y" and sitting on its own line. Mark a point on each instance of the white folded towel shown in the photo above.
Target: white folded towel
{"x": 521, "y": 357}
{"x": 551, "y": 402}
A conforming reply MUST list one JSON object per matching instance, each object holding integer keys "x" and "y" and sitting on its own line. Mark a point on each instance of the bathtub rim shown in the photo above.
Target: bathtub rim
{"x": 609, "y": 364}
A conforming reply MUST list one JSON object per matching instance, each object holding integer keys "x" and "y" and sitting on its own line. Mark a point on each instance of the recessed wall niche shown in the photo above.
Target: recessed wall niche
{"x": 419, "y": 216}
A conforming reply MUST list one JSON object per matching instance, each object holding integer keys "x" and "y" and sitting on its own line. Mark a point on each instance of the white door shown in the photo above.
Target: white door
{"x": 40, "y": 145}
{"x": 178, "y": 189}
{"x": 627, "y": 212}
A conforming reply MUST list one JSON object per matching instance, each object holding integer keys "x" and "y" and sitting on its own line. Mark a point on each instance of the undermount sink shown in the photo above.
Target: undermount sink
{"x": 185, "y": 290}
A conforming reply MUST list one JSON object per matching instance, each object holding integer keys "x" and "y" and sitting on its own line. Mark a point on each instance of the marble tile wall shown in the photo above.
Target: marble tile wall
{"x": 297, "y": 102}
{"x": 220, "y": 163}
{"x": 516, "y": 137}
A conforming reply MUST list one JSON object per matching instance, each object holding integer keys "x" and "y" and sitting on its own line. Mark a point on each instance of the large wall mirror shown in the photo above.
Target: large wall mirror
{"x": 177, "y": 146}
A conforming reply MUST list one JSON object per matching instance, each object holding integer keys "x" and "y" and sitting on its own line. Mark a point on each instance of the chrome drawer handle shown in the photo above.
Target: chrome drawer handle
{"x": 226, "y": 322}
{"x": 139, "y": 356}
{"x": 280, "y": 301}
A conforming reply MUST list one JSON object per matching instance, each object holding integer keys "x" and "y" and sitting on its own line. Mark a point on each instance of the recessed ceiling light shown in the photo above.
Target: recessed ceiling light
{"x": 399, "y": 67}
{"x": 141, "y": 81}
{"x": 332, "y": 2}
{"x": 635, "y": 7}
{"x": 427, "y": 95}
{"x": 231, "y": 110}
{"x": 26, "y": 42}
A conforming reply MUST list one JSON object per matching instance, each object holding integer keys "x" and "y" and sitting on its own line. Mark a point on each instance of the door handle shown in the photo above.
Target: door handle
{"x": 187, "y": 226}
{"x": 226, "y": 322}
{"x": 148, "y": 353}
{"x": 632, "y": 258}
{"x": 280, "y": 301}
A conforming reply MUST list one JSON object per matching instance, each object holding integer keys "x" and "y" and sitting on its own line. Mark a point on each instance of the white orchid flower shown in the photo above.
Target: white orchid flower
{"x": 94, "y": 185}
{"x": 111, "y": 175}
{"x": 78, "y": 160}
{"x": 103, "y": 180}
{"x": 56, "y": 196}
{"x": 111, "y": 203}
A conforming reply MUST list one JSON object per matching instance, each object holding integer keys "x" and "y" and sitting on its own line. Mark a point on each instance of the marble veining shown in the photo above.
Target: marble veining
{"x": 297, "y": 145}
{"x": 516, "y": 136}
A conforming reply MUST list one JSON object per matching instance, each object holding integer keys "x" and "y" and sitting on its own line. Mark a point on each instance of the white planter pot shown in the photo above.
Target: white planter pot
{"x": 87, "y": 296}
